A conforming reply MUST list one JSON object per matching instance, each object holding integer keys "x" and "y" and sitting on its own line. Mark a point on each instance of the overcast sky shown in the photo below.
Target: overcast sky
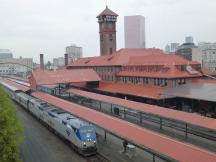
{"x": 31, "y": 27}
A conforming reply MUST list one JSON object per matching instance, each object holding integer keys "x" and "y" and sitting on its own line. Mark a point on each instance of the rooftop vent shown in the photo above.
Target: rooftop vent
{"x": 87, "y": 61}
{"x": 110, "y": 58}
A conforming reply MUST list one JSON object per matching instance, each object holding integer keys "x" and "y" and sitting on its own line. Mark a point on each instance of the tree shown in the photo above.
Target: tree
{"x": 11, "y": 130}
{"x": 48, "y": 65}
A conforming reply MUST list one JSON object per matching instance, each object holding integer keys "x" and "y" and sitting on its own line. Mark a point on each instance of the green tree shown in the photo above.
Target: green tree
{"x": 48, "y": 65}
{"x": 11, "y": 130}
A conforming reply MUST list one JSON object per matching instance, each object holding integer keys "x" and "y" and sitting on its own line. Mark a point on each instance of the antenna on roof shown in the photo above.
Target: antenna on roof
{"x": 107, "y": 3}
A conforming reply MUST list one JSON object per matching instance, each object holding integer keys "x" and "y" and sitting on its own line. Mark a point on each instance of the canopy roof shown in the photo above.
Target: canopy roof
{"x": 199, "y": 91}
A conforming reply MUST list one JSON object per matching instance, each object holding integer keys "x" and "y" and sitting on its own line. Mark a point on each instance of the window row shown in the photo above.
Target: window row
{"x": 152, "y": 81}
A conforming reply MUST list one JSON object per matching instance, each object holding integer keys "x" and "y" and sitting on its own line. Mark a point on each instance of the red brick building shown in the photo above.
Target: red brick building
{"x": 107, "y": 31}
{"x": 142, "y": 67}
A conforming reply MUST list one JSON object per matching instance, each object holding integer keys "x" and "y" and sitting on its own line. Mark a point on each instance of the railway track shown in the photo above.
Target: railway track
{"x": 97, "y": 158}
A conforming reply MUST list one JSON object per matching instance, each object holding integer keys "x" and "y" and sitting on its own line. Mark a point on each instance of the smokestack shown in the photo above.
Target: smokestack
{"x": 41, "y": 61}
{"x": 66, "y": 59}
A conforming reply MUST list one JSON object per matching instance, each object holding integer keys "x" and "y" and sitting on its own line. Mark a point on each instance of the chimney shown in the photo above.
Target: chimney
{"x": 66, "y": 59}
{"x": 41, "y": 61}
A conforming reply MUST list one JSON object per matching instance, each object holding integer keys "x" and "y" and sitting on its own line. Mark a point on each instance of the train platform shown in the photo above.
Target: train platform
{"x": 178, "y": 122}
{"x": 16, "y": 86}
{"x": 156, "y": 144}
{"x": 180, "y": 116}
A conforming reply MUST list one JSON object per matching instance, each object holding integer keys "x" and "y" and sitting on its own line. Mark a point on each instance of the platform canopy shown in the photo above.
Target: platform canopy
{"x": 13, "y": 85}
{"x": 162, "y": 146}
{"x": 199, "y": 91}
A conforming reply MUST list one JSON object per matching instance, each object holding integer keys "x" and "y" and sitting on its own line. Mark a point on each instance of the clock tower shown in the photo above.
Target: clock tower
{"x": 107, "y": 31}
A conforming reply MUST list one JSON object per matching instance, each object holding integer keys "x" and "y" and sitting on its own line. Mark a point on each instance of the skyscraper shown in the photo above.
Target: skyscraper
{"x": 174, "y": 47}
{"x": 134, "y": 31}
{"x": 167, "y": 48}
{"x": 74, "y": 52}
{"x": 107, "y": 26}
{"x": 189, "y": 39}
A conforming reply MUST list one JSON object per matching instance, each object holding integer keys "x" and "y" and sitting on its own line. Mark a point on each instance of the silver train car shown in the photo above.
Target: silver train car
{"x": 80, "y": 134}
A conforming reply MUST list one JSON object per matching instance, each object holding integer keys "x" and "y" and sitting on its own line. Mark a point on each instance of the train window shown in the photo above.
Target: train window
{"x": 87, "y": 130}
{"x": 63, "y": 122}
{"x": 74, "y": 129}
{"x": 69, "y": 118}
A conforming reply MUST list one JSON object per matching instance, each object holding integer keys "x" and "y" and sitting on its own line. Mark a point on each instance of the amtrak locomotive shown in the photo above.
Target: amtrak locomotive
{"x": 80, "y": 134}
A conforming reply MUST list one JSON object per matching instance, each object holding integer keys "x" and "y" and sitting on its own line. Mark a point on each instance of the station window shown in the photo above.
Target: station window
{"x": 134, "y": 68}
{"x": 111, "y": 50}
{"x": 141, "y": 68}
{"x": 183, "y": 67}
{"x": 147, "y": 68}
{"x": 110, "y": 37}
{"x": 156, "y": 68}
{"x": 63, "y": 122}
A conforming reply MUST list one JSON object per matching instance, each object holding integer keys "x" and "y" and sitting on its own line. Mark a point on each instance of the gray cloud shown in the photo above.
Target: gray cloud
{"x": 29, "y": 27}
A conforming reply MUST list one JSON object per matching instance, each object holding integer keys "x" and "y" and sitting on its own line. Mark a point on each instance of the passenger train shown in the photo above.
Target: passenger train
{"x": 80, "y": 134}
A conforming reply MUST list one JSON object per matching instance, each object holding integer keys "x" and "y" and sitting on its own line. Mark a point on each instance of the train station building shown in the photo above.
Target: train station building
{"x": 146, "y": 75}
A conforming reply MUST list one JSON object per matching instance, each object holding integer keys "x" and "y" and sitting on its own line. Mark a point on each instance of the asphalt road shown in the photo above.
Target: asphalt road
{"x": 41, "y": 145}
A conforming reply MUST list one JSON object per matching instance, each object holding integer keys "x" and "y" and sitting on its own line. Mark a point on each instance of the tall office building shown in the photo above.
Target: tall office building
{"x": 185, "y": 50}
{"x": 58, "y": 62}
{"x": 174, "y": 46}
{"x": 107, "y": 31}
{"x": 74, "y": 52}
{"x": 134, "y": 31}
{"x": 167, "y": 48}
{"x": 189, "y": 39}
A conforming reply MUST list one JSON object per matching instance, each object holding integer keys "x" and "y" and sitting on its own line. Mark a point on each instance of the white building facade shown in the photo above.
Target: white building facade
{"x": 58, "y": 62}
{"x": 207, "y": 45}
{"x": 11, "y": 66}
{"x": 74, "y": 52}
{"x": 134, "y": 27}
{"x": 5, "y": 54}
{"x": 209, "y": 59}
{"x": 189, "y": 39}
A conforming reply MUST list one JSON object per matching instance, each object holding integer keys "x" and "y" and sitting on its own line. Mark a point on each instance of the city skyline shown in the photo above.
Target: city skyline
{"x": 30, "y": 28}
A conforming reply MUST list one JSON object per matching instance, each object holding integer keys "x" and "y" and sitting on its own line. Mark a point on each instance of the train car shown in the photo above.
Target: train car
{"x": 9, "y": 89}
{"x": 38, "y": 107}
{"x": 80, "y": 134}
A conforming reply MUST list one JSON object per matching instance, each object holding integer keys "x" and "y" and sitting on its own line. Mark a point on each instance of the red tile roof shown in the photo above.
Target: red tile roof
{"x": 204, "y": 81}
{"x": 107, "y": 12}
{"x": 195, "y": 91}
{"x": 64, "y": 76}
{"x": 181, "y": 116}
{"x": 160, "y": 59}
{"x": 130, "y": 89}
{"x": 171, "y": 72}
{"x": 126, "y": 57}
{"x": 144, "y": 138}
{"x": 206, "y": 71}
